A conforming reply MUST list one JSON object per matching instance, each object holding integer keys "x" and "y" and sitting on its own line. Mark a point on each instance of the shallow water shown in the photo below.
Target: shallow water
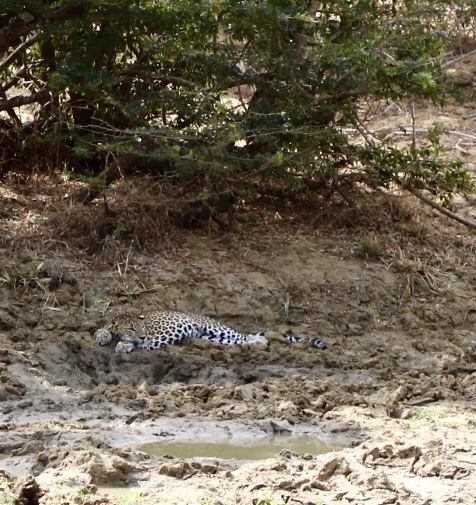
{"x": 125, "y": 494}
{"x": 249, "y": 449}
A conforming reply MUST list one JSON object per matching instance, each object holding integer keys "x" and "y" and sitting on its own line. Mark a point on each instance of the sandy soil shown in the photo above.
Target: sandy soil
{"x": 397, "y": 384}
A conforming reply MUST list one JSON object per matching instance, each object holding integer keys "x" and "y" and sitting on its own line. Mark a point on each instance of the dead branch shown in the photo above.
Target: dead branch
{"x": 410, "y": 131}
{"x": 18, "y": 101}
{"x": 459, "y": 58}
{"x": 11, "y": 111}
{"x": 436, "y": 206}
{"x": 111, "y": 173}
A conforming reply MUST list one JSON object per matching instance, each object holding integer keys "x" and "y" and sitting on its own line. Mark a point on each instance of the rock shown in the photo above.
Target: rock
{"x": 176, "y": 469}
{"x": 31, "y": 447}
{"x": 393, "y": 404}
{"x": 10, "y": 386}
{"x": 144, "y": 389}
{"x": 106, "y": 468}
{"x": 211, "y": 468}
{"x": 7, "y": 322}
{"x": 280, "y": 426}
{"x": 27, "y": 491}
{"x": 327, "y": 468}
{"x": 288, "y": 407}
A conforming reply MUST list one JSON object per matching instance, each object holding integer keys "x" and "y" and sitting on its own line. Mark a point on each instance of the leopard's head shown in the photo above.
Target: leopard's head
{"x": 122, "y": 326}
{"x": 125, "y": 325}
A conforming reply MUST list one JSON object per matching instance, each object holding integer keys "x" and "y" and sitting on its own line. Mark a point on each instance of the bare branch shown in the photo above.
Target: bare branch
{"x": 459, "y": 58}
{"x": 17, "y": 101}
{"x": 406, "y": 131}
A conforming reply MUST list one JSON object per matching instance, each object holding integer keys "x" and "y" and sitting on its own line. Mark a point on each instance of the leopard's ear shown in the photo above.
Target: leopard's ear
{"x": 141, "y": 316}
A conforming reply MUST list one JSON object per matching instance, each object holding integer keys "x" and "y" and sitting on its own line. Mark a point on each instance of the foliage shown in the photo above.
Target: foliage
{"x": 152, "y": 79}
{"x": 268, "y": 499}
{"x": 430, "y": 415}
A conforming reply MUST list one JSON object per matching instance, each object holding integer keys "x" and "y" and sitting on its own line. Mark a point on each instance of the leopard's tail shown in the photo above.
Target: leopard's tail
{"x": 319, "y": 344}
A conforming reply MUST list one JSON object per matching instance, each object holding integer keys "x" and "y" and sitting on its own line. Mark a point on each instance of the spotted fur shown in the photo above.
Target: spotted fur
{"x": 157, "y": 330}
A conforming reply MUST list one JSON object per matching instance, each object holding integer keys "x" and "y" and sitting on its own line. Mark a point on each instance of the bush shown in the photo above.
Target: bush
{"x": 233, "y": 92}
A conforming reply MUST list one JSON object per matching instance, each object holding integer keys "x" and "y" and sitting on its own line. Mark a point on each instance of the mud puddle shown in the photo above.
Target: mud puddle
{"x": 252, "y": 449}
{"x": 125, "y": 494}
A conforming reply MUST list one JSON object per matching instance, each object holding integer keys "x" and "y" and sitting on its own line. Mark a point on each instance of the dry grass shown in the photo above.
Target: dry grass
{"x": 371, "y": 247}
{"x": 420, "y": 275}
{"x": 141, "y": 212}
{"x": 373, "y": 212}
{"x": 137, "y": 213}
{"x": 148, "y": 215}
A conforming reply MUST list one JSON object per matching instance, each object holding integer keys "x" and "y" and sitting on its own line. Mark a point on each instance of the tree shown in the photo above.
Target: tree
{"x": 146, "y": 84}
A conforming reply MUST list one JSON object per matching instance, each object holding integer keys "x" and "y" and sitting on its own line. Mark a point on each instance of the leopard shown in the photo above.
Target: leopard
{"x": 159, "y": 329}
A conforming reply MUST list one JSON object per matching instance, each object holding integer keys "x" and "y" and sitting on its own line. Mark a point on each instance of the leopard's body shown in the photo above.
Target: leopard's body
{"x": 157, "y": 330}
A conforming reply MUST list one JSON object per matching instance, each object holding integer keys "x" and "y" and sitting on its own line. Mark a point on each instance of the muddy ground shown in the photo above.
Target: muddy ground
{"x": 397, "y": 384}
{"x": 392, "y": 296}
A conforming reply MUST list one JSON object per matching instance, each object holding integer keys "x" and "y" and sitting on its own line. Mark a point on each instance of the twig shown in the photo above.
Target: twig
{"x": 462, "y": 134}
{"x": 457, "y": 146}
{"x": 414, "y": 141}
{"x": 286, "y": 307}
{"x": 387, "y": 109}
{"x": 367, "y": 134}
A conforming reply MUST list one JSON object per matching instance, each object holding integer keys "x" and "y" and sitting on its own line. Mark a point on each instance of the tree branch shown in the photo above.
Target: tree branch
{"x": 11, "y": 111}
{"x": 452, "y": 62}
{"x": 17, "y": 27}
{"x": 273, "y": 164}
{"x": 332, "y": 97}
{"x": 17, "y": 101}
{"x": 168, "y": 79}
{"x": 17, "y": 51}
{"x": 436, "y": 206}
